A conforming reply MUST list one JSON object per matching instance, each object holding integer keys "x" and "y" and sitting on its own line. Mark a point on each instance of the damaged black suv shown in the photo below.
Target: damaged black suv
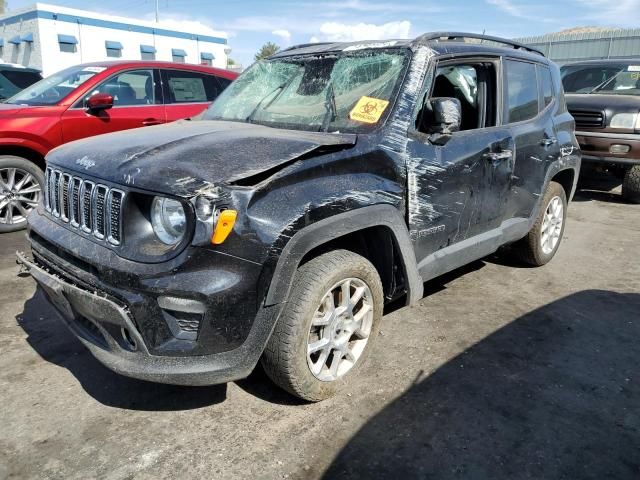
{"x": 326, "y": 181}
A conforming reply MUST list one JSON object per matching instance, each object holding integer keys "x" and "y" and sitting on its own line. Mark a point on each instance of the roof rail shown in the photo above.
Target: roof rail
{"x": 303, "y": 45}
{"x": 453, "y": 36}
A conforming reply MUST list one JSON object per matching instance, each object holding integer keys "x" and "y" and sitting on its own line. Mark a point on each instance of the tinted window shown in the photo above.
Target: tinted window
{"x": 129, "y": 88}
{"x": 189, "y": 87}
{"x": 223, "y": 82}
{"x": 68, "y": 47}
{"x": 22, "y": 79}
{"x": 546, "y": 84}
{"x": 147, "y": 56}
{"x": 522, "y": 91}
{"x": 178, "y": 59}
{"x": 114, "y": 52}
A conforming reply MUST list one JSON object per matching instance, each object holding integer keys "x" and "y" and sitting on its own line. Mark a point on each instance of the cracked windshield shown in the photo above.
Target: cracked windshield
{"x": 345, "y": 93}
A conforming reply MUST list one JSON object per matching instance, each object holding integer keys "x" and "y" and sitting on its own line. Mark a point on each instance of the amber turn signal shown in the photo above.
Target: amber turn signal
{"x": 224, "y": 225}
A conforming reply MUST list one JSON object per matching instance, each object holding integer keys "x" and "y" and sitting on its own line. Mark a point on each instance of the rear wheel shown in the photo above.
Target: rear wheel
{"x": 543, "y": 240}
{"x": 631, "y": 184}
{"x": 21, "y": 184}
{"x": 327, "y": 328}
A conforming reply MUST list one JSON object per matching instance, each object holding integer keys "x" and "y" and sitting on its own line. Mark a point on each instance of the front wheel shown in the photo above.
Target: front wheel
{"x": 543, "y": 240}
{"x": 631, "y": 184}
{"x": 328, "y": 326}
{"x": 21, "y": 184}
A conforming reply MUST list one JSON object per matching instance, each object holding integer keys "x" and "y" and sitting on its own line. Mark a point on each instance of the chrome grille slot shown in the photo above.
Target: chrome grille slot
{"x": 86, "y": 193}
{"x": 114, "y": 207}
{"x": 93, "y": 208}
{"x": 99, "y": 221}
{"x": 45, "y": 197}
{"x": 65, "y": 185}
{"x": 75, "y": 201}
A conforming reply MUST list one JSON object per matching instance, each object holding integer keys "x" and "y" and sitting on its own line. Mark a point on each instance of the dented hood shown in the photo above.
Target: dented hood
{"x": 182, "y": 157}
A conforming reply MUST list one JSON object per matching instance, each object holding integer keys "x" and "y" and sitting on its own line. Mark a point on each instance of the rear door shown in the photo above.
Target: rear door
{"x": 188, "y": 93}
{"x": 137, "y": 102}
{"x": 528, "y": 95}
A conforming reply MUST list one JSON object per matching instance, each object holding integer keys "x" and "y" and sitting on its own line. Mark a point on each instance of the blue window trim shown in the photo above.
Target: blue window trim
{"x": 178, "y": 52}
{"x": 27, "y": 37}
{"x": 207, "y": 56}
{"x": 68, "y": 39}
{"x": 15, "y": 40}
{"x": 147, "y": 49}
{"x": 112, "y": 45}
{"x": 94, "y": 22}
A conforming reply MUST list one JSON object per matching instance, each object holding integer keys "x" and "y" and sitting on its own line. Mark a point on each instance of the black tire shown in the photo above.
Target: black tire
{"x": 285, "y": 356}
{"x": 8, "y": 162}
{"x": 631, "y": 184}
{"x": 530, "y": 249}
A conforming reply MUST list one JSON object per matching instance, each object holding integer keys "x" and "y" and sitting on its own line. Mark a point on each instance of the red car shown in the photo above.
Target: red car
{"x": 88, "y": 100}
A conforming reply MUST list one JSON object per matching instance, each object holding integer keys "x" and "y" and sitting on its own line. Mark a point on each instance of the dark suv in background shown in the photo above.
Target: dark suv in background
{"x": 325, "y": 182}
{"x": 604, "y": 98}
{"x": 14, "y": 78}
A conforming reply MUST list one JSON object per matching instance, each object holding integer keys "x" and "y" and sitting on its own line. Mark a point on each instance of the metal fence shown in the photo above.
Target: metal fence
{"x": 563, "y": 48}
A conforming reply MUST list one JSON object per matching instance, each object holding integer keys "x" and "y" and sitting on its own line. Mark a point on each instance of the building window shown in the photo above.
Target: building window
{"x": 178, "y": 55}
{"x": 147, "y": 52}
{"x": 114, "y": 49}
{"x": 68, "y": 43}
{"x": 206, "y": 58}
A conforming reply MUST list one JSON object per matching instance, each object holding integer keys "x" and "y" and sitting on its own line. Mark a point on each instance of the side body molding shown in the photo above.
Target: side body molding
{"x": 336, "y": 226}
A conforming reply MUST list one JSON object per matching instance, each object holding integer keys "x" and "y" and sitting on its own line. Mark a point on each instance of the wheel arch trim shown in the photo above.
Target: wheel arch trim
{"x": 337, "y": 226}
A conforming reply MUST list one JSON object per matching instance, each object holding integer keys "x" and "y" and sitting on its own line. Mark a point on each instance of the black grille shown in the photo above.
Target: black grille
{"x": 95, "y": 209}
{"x": 588, "y": 118}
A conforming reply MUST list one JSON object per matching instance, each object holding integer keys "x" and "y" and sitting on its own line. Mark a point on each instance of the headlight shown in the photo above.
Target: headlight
{"x": 168, "y": 219}
{"x": 623, "y": 120}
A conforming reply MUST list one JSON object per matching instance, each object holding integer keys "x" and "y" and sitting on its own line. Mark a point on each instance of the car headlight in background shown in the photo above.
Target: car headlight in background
{"x": 169, "y": 220}
{"x": 624, "y": 120}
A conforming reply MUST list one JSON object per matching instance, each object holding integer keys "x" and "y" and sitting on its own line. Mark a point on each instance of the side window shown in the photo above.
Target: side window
{"x": 546, "y": 85}
{"x": 474, "y": 85}
{"x": 189, "y": 87}
{"x": 134, "y": 87}
{"x": 522, "y": 91}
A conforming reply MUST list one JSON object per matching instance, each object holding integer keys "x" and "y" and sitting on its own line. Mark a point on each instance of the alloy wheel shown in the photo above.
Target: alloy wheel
{"x": 552, "y": 225}
{"x": 19, "y": 194}
{"x": 340, "y": 329}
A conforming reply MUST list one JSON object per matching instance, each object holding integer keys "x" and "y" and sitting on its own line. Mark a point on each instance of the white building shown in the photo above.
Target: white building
{"x": 51, "y": 38}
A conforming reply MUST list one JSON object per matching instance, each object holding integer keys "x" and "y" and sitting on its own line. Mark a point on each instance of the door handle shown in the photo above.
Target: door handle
{"x": 151, "y": 121}
{"x": 547, "y": 142}
{"x": 498, "y": 156}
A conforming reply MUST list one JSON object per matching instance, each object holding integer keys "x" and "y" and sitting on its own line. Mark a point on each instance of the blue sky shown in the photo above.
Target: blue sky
{"x": 250, "y": 23}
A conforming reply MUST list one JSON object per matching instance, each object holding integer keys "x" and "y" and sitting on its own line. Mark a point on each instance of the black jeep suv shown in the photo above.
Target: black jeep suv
{"x": 326, "y": 181}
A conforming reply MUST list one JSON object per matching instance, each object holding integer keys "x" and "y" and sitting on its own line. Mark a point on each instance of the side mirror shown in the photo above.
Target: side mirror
{"x": 99, "y": 101}
{"x": 444, "y": 116}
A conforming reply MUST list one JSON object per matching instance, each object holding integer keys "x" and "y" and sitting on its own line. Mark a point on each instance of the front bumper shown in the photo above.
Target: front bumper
{"x": 595, "y": 147}
{"x": 106, "y": 328}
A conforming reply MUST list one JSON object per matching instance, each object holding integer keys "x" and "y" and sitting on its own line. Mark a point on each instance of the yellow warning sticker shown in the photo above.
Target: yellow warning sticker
{"x": 368, "y": 110}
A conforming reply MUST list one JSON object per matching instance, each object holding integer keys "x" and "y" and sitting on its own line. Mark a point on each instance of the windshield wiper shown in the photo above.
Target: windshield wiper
{"x": 606, "y": 82}
{"x": 330, "y": 106}
{"x": 255, "y": 110}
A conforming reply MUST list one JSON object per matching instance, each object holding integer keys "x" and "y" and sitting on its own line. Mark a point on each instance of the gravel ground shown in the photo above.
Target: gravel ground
{"x": 500, "y": 372}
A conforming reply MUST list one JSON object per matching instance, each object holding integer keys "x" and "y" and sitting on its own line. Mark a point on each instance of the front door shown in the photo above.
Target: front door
{"x": 459, "y": 190}
{"x": 136, "y": 103}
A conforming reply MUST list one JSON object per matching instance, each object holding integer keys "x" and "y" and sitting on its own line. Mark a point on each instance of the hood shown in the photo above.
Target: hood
{"x": 183, "y": 157}
{"x": 9, "y": 110}
{"x": 603, "y": 102}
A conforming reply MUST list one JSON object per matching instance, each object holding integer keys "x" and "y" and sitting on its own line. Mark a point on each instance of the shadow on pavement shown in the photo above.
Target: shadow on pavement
{"x": 598, "y": 185}
{"x": 552, "y": 395}
{"x": 51, "y": 339}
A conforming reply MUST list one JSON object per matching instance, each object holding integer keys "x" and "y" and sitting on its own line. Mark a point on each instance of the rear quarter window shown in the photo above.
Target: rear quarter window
{"x": 521, "y": 86}
{"x": 546, "y": 85}
{"x": 21, "y": 79}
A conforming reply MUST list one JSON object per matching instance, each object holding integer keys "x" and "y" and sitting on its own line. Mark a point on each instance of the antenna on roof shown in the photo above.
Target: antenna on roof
{"x": 157, "y": 11}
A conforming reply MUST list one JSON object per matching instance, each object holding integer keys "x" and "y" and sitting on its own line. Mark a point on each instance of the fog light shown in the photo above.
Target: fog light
{"x": 619, "y": 149}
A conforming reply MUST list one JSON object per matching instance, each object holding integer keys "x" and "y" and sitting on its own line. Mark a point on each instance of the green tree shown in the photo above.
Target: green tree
{"x": 266, "y": 50}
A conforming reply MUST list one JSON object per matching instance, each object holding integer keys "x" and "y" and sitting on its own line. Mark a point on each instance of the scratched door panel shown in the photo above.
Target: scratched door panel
{"x": 455, "y": 190}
